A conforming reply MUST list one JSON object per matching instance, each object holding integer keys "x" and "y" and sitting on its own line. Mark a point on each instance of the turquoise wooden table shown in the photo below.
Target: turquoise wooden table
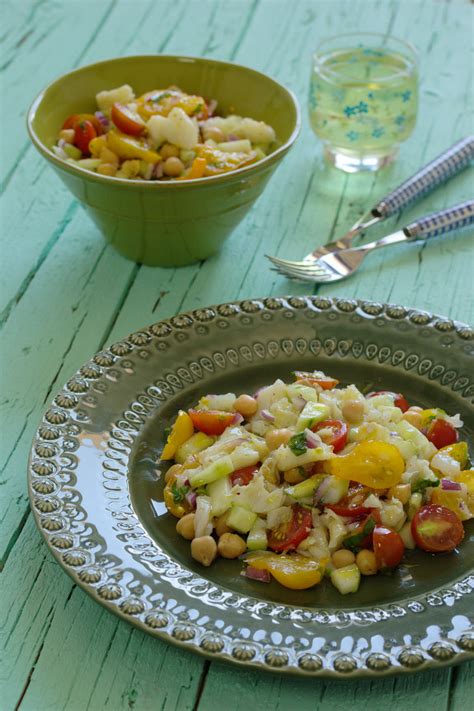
{"x": 65, "y": 294}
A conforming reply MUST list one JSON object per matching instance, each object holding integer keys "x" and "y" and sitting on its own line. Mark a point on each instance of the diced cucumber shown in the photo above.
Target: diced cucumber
{"x": 257, "y": 538}
{"x": 312, "y": 413}
{"x": 305, "y": 488}
{"x": 217, "y": 470}
{"x": 423, "y": 446}
{"x": 220, "y": 493}
{"x": 89, "y": 163}
{"x": 241, "y": 519}
{"x": 195, "y": 444}
{"x": 336, "y": 490}
{"x": 243, "y": 146}
{"x": 414, "y": 504}
{"x": 244, "y": 456}
{"x": 346, "y": 579}
{"x": 407, "y": 536}
{"x": 72, "y": 151}
{"x": 304, "y": 391}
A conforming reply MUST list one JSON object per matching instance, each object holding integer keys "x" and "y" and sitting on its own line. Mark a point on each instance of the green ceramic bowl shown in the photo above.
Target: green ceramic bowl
{"x": 175, "y": 223}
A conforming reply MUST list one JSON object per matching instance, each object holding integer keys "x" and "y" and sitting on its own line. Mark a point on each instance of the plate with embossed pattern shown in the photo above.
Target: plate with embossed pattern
{"x": 97, "y": 498}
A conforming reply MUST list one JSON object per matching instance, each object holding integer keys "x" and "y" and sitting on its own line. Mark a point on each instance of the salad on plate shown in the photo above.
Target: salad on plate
{"x": 164, "y": 134}
{"x": 307, "y": 479}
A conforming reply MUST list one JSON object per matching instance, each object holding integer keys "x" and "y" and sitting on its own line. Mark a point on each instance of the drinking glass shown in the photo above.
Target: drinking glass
{"x": 363, "y": 98}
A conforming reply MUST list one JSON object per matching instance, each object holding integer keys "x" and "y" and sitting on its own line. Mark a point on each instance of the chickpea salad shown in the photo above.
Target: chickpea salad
{"x": 307, "y": 479}
{"x": 165, "y": 134}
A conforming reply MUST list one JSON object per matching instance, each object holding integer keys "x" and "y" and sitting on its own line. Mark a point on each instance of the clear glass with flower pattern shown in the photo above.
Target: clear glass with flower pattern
{"x": 363, "y": 98}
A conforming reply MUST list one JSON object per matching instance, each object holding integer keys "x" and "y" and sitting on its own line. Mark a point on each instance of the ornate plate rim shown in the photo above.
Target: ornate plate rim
{"x": 242, "y": 652}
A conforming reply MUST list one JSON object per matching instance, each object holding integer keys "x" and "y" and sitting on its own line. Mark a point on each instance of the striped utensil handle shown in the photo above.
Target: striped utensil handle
{"x": 438, "y": 171}
{"x": 438, "y": 223}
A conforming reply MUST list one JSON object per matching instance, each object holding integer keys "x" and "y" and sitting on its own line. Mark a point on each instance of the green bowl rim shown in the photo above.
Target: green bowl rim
{"x": 156, "y": 184}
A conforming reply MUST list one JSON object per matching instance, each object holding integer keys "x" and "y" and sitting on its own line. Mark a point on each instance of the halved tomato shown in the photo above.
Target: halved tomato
{"x": 441, "y": 433}
{"x": 289, "y": 535}
{"x": 388, "y": 547}
{"x": 127, "y": 120}
{"x": 84, "y": 132}
{"x": 354, "y": 512}
{"x": 337, "y": 437}
{"x": 242, "y": 477}
{"x": 74, "y": 119}
{"x": 323, "y": 381}
{"x": 398, "y": 399}
{"x": 436, "y": 529}
{"x": 211, "y": 422}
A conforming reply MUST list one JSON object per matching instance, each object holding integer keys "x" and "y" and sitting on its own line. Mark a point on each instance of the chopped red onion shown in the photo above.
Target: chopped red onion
{"x": 448, "y": 485}
{"x": 267, "y": 416}
{"x": 232, "y": 137}
{"x": 191, "y": 499}
{"x": 103, "y": 119}
{"x": 158, "y": 171}
{"x": 312, "y": 439}
{"x": 321, "y": 490}
{"x": 262, "y": 576}
{"x": 257, "y": 392}
{"x": 237, "y": 419}
{"x": 211, "y": 107}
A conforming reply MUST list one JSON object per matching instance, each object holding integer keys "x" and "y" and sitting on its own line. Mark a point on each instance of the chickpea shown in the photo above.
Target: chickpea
{"x": 231, "y": 545}
{"x": 342, "y": 557}
{"x": 220, "y": 525}
{"x": 275, "y": 438}
{"x": 185, "y": 526}
{"x": 167, "y": 150}
{"x": 67, "y": 134}
{"x": 173, "y": 167}
{"x": 353, "y": 411}
{"x": 293, "y": 476}
{"x": 366, "y": 562}
{"x": 214, "y": 133}
{"x": 172, "y": 472}
{"x": 413, "y": 416}
{"x": 204, "y": 550}
{"x": 246, "y": 405}
{"x": 402, "y": 492}
{"x": 107, "y": 169}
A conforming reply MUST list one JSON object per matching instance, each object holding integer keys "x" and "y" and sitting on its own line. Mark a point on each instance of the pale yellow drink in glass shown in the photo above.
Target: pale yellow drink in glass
{"x": 363, "y": 99}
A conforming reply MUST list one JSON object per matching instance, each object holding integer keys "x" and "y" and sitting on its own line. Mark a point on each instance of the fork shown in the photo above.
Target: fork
{"x": 439, "y": 170}
{"x": 340, "y": 264}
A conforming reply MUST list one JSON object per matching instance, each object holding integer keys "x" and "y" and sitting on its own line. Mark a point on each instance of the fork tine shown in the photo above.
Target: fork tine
{"x": 319, "y": 276}
{"x": 318, "y": 270}
{"x": 284, "y": 264}
{"x": 289, "y": 263}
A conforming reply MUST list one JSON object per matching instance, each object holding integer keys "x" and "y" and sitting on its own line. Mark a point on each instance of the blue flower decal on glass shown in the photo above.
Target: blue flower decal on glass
{"x": 406, "y": 95}
{"x": 399, "y": 120}
{"x": 370, "y": 95}
{"x": 378, "y": 132}
{"x": 352, "y": 135}
{"x": 360, "y": 108}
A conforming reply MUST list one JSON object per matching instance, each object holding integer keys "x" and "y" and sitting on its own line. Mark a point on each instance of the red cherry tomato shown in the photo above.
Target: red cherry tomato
{"x": 338, "y": 435}
{"x": 388, "y": 547}
{"x": 309, "y": 379}
{"x": 289, "y": 535}
{"x": 211, "y": 422}
{"x": 127, "y": 121}
{"x": 74, "y": 119}
{"x": 242, "y": 477}
{"x": 84, "y": 132}
{"x": 398, "y": 399}
{"x": 441, "y": 433}
{"x": 354, "y": 512}
{"x": 436, "y": 529}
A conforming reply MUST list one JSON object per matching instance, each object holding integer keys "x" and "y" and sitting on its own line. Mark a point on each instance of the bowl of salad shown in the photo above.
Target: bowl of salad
{"x": 166, "y": 154}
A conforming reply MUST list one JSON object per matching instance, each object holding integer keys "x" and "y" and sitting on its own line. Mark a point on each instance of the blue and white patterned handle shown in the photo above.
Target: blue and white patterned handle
{"x": 438, "y": 171}
{"x": 438, "y": 223}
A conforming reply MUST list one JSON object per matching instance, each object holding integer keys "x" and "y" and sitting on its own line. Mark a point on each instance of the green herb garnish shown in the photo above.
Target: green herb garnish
{"x": 158, "y": 97}
{"x": 297, "y": 444}
{"x": 422, "y": 484}
{"x": 179, "y": 493}
{"x": 354, "y": 541}
{"x": 167, "y": 432}
{"x": 198, "y": 109}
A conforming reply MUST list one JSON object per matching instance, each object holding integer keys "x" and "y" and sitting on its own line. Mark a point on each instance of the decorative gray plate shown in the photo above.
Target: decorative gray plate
{"x": 97, "y": 499}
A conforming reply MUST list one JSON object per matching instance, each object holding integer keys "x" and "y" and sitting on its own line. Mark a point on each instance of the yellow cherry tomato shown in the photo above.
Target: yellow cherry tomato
{"x": 129, "y": 147}
{"x": 430, "y": 414}
{"x": 177, "y": 509}
{"x": 466, "y": 477}
{"x": 181, "y": 431}
{"x": 292, "y": 571}
{"x": 458, "y": 451}
{"x": 378, "y": 465}
{"x": 456, "y": 501}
